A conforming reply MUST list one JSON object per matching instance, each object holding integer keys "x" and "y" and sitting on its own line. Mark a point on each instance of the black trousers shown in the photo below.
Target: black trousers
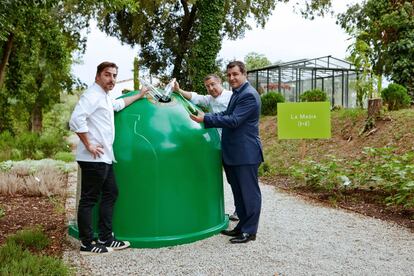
{"x": 98, "y": 183}
{"x": 247, "y": 195}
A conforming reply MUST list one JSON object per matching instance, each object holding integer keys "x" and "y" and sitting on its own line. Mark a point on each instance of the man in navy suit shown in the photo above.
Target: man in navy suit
{"x": 241, "y": 150}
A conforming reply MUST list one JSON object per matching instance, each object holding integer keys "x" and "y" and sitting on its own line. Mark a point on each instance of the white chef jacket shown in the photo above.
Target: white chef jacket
{"x": 94, "y": 114}
{"x": 215, "y": 105}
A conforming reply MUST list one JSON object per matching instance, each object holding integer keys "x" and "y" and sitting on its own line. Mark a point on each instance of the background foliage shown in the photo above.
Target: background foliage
{"x": 395, "y": 97}
{"x": 255, "y": 60}
{"x": 387, "y": 28}
{"x": 203, "y": 56}
{"x": 315, "y": 95}
{"x": 269, "y": 102}
{"x": 170, "y": 32}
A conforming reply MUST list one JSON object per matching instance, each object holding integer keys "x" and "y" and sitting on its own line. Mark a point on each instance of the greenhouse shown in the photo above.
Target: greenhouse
{"x": 334, "y": 76}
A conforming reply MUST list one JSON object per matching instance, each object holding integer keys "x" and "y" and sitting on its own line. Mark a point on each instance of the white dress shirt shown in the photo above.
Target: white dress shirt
{"x": 215, "y": 105}
{"x": 94, "y": 114}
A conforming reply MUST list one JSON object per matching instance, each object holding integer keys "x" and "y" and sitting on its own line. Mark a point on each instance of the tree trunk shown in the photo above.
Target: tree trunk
{"x": 183, "y": 37}
{"x": 5, "y": 119}
{"x": 36, "y": 118}
{"x": 374, "y": 108}
{"x": 136, "y": 74}
{"x": 5, "y": 58}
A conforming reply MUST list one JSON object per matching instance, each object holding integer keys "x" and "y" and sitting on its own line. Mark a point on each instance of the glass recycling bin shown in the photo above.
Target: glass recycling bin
{"x": 169, "y": 175}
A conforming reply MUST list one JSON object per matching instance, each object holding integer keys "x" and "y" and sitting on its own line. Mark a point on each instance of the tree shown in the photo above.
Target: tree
{"x": 136, "y": 73}
{"x": 388, "y": 28}
{"x": 36, "y": 44}
{"x": 40, "y": 68}
{"x": 167, "y": 30}
{"x": 203, "y": 59}
{"x": 254, "y": 60}
{"x": 364, "y": 86}
{"x": 27, "y": 25}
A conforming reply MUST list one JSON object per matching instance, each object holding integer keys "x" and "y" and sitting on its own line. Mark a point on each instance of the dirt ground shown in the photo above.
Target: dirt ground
{"x": 22, "y": 212}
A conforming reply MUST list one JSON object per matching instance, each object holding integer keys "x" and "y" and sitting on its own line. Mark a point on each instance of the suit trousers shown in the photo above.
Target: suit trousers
{"x": 98, "y": 182}
{"x": 247, "y": 196}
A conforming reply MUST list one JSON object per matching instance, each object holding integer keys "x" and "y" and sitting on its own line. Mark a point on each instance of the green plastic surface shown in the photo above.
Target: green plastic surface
{"x": 169, "y": 176}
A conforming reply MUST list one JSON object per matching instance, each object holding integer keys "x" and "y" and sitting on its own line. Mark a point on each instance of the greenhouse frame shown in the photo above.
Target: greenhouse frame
{"x": 335, "y": 76}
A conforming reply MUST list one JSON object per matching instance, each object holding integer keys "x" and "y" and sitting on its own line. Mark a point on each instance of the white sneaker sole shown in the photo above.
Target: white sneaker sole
{"x": 127, "y": 244}
{"x": 89, "y": 253}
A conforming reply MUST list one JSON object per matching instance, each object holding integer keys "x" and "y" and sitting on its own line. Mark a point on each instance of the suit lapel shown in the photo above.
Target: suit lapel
{"x": 234, "y": 97}
{"x": 232, "y": 100}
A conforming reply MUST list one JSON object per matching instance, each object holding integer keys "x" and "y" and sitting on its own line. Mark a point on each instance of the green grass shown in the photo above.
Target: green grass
{"x": 2, "y": 212}
{"x": 16, "y": 259}
{"x": 349, "y": 113}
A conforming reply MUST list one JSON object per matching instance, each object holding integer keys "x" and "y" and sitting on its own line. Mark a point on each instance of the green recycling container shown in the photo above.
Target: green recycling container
{"x": 169, "y": 176}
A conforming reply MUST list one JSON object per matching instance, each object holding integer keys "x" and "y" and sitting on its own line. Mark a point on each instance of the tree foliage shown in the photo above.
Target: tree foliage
{"x": 313, "y": 8}
{"x": 40, "y": 68}
{"x": 203, "y": 55}
{"x": 360, "y": 57}
{"x": 37, "y": 52}
{"x": 388, "y": 30}
{"x": 37, "y": 40}
{"x": 255, "y": 60}
{"x": 168, "y": 30}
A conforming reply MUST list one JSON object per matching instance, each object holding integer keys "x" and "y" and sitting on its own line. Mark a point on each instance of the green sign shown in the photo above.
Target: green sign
{"x": 308, "y": 120}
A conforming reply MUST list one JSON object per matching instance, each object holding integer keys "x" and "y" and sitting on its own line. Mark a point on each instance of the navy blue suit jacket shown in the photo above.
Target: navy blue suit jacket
{"x": 240, "y": 142}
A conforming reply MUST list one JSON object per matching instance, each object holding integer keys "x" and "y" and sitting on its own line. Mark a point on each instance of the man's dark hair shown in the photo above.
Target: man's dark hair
{"x": 104, "y": 65}
{"x": 212, "y": 76}
{"x": 237, "y": 63}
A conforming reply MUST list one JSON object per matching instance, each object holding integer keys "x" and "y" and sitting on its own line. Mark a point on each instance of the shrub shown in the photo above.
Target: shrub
{"x": 315, "y": 95}
{"x": 269, "y": 102}
{"x": 52, "y": 142}
{"x": 264, "y": 169}
{"x": 395, "y": 96}
{"x": 15, "y": 259}
{"x": 35, "y": 177}
{"x": 28, "y": 145}
{"x": 26, "y": 142}
{"x": 64, "y": 156}
{"x": 7, "y": 144}
{"x": 30, "y": 238}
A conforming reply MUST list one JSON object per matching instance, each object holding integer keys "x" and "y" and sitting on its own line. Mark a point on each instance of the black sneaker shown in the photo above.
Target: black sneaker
{"x": 114, "y": 244}
{"x": 93, "y": 249}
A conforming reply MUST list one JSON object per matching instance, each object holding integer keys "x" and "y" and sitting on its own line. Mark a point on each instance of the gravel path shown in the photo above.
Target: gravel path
{"x": 295, "y": 238}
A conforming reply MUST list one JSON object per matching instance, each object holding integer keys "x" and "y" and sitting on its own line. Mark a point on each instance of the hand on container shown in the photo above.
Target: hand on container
{"x": 95, "y": 150}
{"x": 176, "y": 87}
{"x": 199, "y": 117}
{"x": 144, "y": 91}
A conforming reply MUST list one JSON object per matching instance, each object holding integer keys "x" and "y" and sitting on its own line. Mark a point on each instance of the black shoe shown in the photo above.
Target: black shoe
{"x": 231, "y": 233}
{"x": 114, "y": 244}
{"x": 243, "y": 238}
{"x": 234, "y": 217}
{"x": 92, "y": 249}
